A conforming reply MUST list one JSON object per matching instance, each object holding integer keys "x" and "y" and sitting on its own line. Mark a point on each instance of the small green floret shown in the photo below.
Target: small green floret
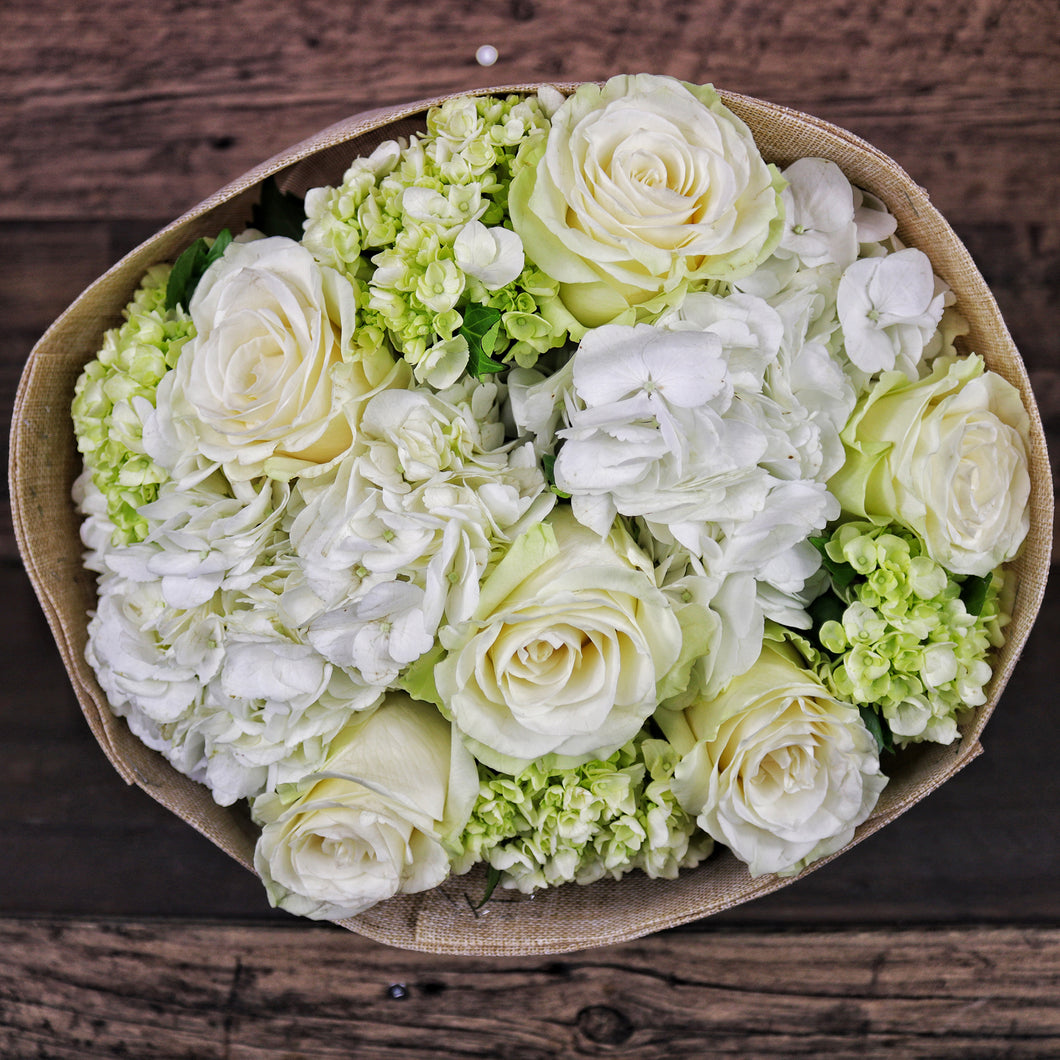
{"x": 549, "y": 826}
{"x": 392, "y": 222}
{"x": 903, "y": 636}
{"x": 112, "y": 394}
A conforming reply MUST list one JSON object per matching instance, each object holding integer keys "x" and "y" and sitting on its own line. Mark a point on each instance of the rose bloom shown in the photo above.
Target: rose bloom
{"x": 372, "y": 822}
{"x": 774, "y": 767}
{"x": 565, "y": 653}
{"x": 644, "y": 185}
{"x": 945, "y": 456}
{"x": 261, "y": 387}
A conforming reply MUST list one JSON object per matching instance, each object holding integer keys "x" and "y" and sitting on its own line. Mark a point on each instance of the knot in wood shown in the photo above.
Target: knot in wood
{"x": 604, "y": 1025}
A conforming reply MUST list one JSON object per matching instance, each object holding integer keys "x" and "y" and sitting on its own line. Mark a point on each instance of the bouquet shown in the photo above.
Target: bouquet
{"x": 566, "y": 490}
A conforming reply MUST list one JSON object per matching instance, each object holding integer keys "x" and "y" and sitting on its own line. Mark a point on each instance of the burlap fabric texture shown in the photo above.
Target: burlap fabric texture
{"x": 44, "y": 463}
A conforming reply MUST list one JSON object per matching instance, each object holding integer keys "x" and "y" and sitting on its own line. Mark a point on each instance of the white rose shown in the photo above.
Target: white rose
{"x": 945, "y": 456}
{"x": 262, "y": 387}
{"x": 774, "y": 767}
{"x": 644, "y": 185}
{"x": 371, "y": 823}
{"x": 565, "y": 652}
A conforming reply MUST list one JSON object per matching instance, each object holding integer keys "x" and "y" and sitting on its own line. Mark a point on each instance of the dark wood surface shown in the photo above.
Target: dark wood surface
{"x": 125, "y": 933}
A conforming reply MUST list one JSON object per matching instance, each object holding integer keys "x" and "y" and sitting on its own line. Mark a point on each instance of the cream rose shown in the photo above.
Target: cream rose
{"x": 262, "y": 387}
{"x": 565, "y": 653}
{"x": 644, "y": 185}
{"x": 945, "y": 456}
{"x": 372, "y": 822}
{"x": 774, "y": 767}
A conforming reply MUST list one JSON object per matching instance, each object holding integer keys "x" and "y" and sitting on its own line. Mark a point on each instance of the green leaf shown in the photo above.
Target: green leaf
{"x": 548, "y": 465}
{"x": 881, "y": 732}
{"x": 826, "y": 608}
{"x": 188, "y": 269}
{"x": 973, "y": 593}
{"x": 493, "y": 877}
{"x": 418, "y": 679}
{"x": 842, "y": 574}
{"x": 278, "y": 213}
{"x": 481, "y": 327}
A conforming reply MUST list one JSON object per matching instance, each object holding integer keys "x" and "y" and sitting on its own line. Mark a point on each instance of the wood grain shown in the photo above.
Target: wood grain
{"x": 159, "y": 110}
{"x": 115, "y": 117}
{"x": 151, "y": 991}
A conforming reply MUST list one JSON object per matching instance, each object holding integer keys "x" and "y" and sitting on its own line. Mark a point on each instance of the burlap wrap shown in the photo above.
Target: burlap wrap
{"x": 44, "y": 463}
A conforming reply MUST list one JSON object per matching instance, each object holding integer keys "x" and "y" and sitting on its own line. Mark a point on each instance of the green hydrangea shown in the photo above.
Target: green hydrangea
{"x": 391, "y": 224}
{"x": 107, "y": 420}
{"x": 549, "y": 826}
{"x": 906, "y": 638}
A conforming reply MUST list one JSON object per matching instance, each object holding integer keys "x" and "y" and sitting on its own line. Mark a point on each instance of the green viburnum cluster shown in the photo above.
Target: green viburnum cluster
{"x": 404, "y": 222}
{"x": 549, "y": 826}
{"x": 126, "y": 371}
{"x": 905, "y": 636}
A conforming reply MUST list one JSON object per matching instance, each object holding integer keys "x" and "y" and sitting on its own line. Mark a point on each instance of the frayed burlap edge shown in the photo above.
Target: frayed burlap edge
{"x": 44, "y": 463}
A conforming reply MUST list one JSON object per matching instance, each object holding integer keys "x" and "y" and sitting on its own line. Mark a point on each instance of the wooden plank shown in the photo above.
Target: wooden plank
{"x": 164, "y": 112}
{"x": 158, "y": 990}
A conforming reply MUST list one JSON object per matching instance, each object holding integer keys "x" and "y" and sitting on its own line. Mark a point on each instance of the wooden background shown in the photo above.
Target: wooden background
{"x": 124, "y": 933}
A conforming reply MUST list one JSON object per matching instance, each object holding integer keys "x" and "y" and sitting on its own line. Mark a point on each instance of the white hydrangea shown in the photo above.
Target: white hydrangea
{"x": 204, "y": 538}
{"x": 493, "y": 256}
{"x": 812, "y": 398}
{"x": 231, "y": 697}
{"x": 819, "y": 216}
{"x": 805, "y": 298}
{"x": 875, "y": 223}
{"x": 889, "y": 308}
{"x": 150, "y": 659}
{"x": 721, "y": 619}
{"x": 536, "y": 403}
{"x": 750, "y": 331}
{"x": 655, "y": 431}
{"x": 398, "y": 537}
{"x": 791, "y": 384}
{"x": 378, "y": 634}
{"x": 269, "y": 715}
{"x": 96, "y": 528}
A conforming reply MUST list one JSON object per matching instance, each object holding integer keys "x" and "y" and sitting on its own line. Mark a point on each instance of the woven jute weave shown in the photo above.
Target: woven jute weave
{"x": 44, "y": 463}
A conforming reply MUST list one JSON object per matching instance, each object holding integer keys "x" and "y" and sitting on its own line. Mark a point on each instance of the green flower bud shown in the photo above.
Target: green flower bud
{"x": 906, "y": 644}
{"x": 107, "y": 417}
{"x": 549, "y": 826}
